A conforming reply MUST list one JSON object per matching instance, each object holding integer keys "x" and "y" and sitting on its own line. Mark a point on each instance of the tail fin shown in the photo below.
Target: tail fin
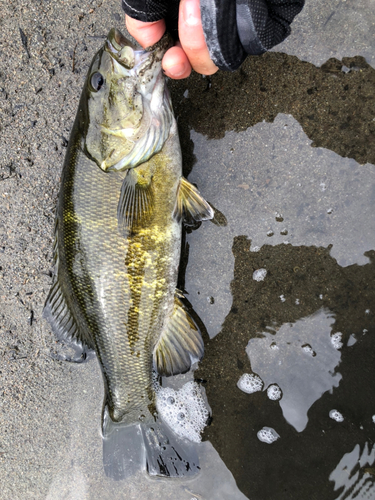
{"x": 129, "y": 449}
{"x": 167, "y": 454}
{"x": 123, "y": 449}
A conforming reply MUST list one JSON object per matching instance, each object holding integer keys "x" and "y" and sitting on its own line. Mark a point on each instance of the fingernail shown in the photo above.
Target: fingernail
{"x": 176, "y": 69}
{"x": 191, "y": 12}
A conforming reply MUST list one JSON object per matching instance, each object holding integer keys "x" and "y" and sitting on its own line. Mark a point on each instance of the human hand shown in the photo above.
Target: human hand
{"x": 190, "y": 52}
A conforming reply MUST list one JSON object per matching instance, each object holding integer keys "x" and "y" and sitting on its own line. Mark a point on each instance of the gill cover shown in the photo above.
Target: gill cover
{"x": 128, "y": 104}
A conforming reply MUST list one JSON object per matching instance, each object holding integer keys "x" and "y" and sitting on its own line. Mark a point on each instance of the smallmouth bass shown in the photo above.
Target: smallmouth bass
{"x": 118, "y": 238}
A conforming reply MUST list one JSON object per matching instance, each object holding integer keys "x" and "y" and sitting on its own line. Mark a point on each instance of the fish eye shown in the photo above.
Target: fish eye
{"x": 97, "y": 81}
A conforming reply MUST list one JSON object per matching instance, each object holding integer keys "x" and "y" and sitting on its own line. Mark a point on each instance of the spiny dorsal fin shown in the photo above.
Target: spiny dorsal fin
{"x": 180, "y": 344}
{"x": 136, "y": 203}
{"x": 63, "y": 324}
{"x": 190, "y": 204}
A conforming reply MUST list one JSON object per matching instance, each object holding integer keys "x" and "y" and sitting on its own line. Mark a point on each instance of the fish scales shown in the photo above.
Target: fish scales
{"x": 124, "y": 287}
{"x": 118, "y": 241}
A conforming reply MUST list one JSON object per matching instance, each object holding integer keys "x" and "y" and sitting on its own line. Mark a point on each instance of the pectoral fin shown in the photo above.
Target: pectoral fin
{"x": 136, "y": 203}
{"x": 190, "y": 204}
{"x": 180, "y": 344}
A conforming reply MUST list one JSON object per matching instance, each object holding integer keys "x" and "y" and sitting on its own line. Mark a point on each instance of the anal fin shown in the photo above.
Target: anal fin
{"x": 56, "y": 311}
{"x": 180, "y": 344}
{"x": 190, "y": 205}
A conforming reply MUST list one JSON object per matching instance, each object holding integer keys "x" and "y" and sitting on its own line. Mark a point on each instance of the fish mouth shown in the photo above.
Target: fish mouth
{"x": 131, "y": 58}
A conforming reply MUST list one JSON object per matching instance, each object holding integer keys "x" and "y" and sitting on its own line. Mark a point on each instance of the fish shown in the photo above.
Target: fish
{"x": 121, "y": 206}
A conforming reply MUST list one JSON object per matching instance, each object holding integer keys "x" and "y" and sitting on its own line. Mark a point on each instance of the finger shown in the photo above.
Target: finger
{"x": 145, "y": 33}
{"x": 176, "y": 64}
{"x": 192, "y": 37}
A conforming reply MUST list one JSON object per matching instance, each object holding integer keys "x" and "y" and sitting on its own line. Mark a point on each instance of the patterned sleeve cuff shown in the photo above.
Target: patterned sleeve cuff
{"x": 234, "y": 29}
{"x": 145, "y": 10}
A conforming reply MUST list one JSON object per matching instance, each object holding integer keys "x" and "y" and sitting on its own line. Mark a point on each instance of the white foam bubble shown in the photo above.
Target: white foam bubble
{"x": 336, "y": 415}
{"x": 274, "y": 392}
{"x": 183, "y": 410}
{"x": 308, "y": 350}
{"x": 254, "y": 249}
{"x": 297, "y": 302}
{"x": 250, "y": 383}
{"x": 282, "y": 298}
{"x": 373, "y": 418}
{"x": 267, "y": 435}
{"x": 336, "y": 340}
{"x": 259, "y": 274}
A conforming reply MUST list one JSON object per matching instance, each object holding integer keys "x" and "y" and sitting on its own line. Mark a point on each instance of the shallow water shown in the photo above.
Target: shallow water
{"x": 307, "y": 326}
{"x": 285, "y": 151}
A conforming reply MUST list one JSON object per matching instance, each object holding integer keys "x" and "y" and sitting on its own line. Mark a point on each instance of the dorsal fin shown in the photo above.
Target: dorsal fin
{"x": 190, "y": 204}
{"x": 180, "y": 343}
{"x": 136, "y": 203}
{"x": 57, "y": 312}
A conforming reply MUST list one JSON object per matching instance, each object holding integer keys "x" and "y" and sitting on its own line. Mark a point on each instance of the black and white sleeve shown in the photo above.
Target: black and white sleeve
{"x": 232, "y": 28}
{"x": 154, "y": 10}
{"x": 236, "y": 28}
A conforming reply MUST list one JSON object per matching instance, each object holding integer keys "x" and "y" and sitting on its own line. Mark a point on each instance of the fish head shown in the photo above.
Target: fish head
{"x": 129, "y": 110}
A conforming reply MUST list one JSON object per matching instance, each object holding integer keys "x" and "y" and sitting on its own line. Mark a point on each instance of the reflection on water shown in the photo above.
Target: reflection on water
{"x": 270, "y": 178}
{"x": 354, "y": 474}
{"x": 335, "y": 108}
{"x": 303, "y": 281}
{"x": 340, "y": 28}
{"x": 281, "y": 356}
{"x": 306, "y": 353}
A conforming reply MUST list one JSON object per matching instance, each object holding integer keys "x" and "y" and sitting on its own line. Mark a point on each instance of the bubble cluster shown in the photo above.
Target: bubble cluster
{"x": 259, "y": 274}
{"x": 309, "y": 350}
{"x": 183, "y": 410}
{"x": 336, "y": 340}
{"x": 336, "y": 415}
{"x": 267, "y": 435}
{"x": 282, "y": 298}
{"x": 274, "y": 392}
{"x": 250, "y": 383}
